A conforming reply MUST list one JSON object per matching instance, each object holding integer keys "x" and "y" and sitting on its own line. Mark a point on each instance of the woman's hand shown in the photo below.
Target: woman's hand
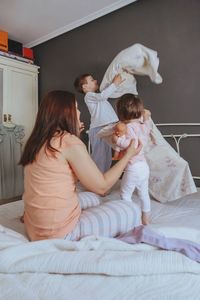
{"x": 132, "y": 150}
{"x": 81, "y": 127}
{"x": 87, "y": 172}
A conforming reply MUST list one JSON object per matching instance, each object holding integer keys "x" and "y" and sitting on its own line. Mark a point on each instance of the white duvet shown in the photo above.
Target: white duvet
{"x": 170, "y": 176}
{"x": 95, "y": 268}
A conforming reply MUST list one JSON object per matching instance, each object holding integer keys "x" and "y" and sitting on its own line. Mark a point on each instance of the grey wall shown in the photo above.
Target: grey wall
{"x": 171, "y": 27}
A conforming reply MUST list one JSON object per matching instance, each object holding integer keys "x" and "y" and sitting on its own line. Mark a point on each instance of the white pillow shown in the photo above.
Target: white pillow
{"x": 137, "y": 59}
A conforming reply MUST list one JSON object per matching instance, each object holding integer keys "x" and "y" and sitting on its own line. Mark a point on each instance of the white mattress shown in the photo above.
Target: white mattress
{"x": 10, "y": 216}
{"x": 184, "y": 212}
{"x": 75, "y": 270}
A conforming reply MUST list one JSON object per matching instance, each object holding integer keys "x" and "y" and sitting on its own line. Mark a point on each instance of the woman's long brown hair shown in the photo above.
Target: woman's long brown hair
{"x": 57, "y": 114}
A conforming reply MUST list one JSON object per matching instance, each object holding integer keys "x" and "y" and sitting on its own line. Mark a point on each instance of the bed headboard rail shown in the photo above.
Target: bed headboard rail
{"x": 178, "y": 137}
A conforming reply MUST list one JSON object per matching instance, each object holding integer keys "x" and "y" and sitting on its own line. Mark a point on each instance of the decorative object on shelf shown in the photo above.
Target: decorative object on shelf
{"x": 14, "y": 49}
{"x": 8, "y": 121}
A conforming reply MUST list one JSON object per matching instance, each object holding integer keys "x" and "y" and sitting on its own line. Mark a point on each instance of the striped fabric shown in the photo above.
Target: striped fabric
{"x": 88, "y": 199}
{"x": 108, "y": 219}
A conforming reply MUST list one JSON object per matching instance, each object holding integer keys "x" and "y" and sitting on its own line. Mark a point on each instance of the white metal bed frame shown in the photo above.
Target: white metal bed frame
{"x": 178, "y": 137}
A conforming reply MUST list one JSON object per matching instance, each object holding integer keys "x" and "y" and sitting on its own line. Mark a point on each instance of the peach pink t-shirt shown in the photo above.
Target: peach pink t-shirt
{"x": 50, "y": 199}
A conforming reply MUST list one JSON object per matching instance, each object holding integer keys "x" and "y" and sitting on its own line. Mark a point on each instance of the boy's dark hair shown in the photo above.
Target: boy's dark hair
{"x": 129, "y": 107}
{"x": 79, "y": 81}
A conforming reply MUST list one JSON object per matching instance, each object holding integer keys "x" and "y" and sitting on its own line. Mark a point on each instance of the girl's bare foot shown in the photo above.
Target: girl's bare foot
{"x": 146, "y": 217}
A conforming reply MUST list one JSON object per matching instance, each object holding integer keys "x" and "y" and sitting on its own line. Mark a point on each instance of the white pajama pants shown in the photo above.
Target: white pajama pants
{"x": 136, "y": 175}
{"x": 108, "y": 219}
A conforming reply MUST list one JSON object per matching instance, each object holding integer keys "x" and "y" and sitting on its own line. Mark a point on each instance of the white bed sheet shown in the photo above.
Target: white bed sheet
{"x": 62, "y": 273}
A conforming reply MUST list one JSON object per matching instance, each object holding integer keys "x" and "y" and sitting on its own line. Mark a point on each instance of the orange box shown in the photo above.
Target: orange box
{"x": 28, "y": 53}
{"x": 3, "y": 41}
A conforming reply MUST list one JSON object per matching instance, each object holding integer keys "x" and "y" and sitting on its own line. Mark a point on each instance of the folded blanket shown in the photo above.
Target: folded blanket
{"x": 142, "y": 234}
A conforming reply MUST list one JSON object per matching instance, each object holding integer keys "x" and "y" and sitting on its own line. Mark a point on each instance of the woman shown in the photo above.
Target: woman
{"x": 53, "y": 158}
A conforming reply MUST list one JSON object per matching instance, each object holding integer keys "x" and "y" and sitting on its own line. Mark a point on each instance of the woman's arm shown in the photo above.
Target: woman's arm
{"x": 88, "y": 173}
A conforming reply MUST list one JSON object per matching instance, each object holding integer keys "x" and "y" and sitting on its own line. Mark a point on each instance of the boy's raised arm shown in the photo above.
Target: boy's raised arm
{"x": 107, "y": 92}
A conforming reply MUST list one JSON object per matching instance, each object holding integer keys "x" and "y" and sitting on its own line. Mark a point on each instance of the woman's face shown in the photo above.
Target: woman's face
{"x": 81, "y": 126}
{"x": 78, "y": 113}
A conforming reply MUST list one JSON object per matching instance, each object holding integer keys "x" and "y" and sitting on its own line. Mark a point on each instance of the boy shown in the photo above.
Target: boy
{"x": 101, "y": 113}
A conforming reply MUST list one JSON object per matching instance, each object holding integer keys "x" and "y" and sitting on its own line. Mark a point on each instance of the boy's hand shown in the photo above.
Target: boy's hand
{"x": 146, "y": 114}
{"x": 117, "y": 80}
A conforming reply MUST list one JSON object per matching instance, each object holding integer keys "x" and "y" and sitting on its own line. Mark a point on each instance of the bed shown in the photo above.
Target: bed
{"x": 101, "y": 268}
{"x": 97, "y": 268}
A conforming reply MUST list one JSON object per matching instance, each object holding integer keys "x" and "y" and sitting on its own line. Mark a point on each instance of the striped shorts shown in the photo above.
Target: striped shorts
{"x": 108, "y": 219}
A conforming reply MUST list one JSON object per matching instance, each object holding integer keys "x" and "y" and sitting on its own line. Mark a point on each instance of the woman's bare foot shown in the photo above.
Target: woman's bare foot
{"x": 146, "y": 217}
{"x": 105, "y": 194}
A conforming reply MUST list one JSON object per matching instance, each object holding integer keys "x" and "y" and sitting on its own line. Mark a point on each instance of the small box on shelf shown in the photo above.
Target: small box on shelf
{"x": 15, "y": 47}
{"x": 28, "y": 53}
{"x": 3, "y": 40}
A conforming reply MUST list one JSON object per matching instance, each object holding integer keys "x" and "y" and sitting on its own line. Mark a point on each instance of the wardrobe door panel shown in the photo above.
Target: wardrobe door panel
{"x": 1, "y": 95}
{"x": 19, "y": 102}
{"x": 22, "y": 100}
